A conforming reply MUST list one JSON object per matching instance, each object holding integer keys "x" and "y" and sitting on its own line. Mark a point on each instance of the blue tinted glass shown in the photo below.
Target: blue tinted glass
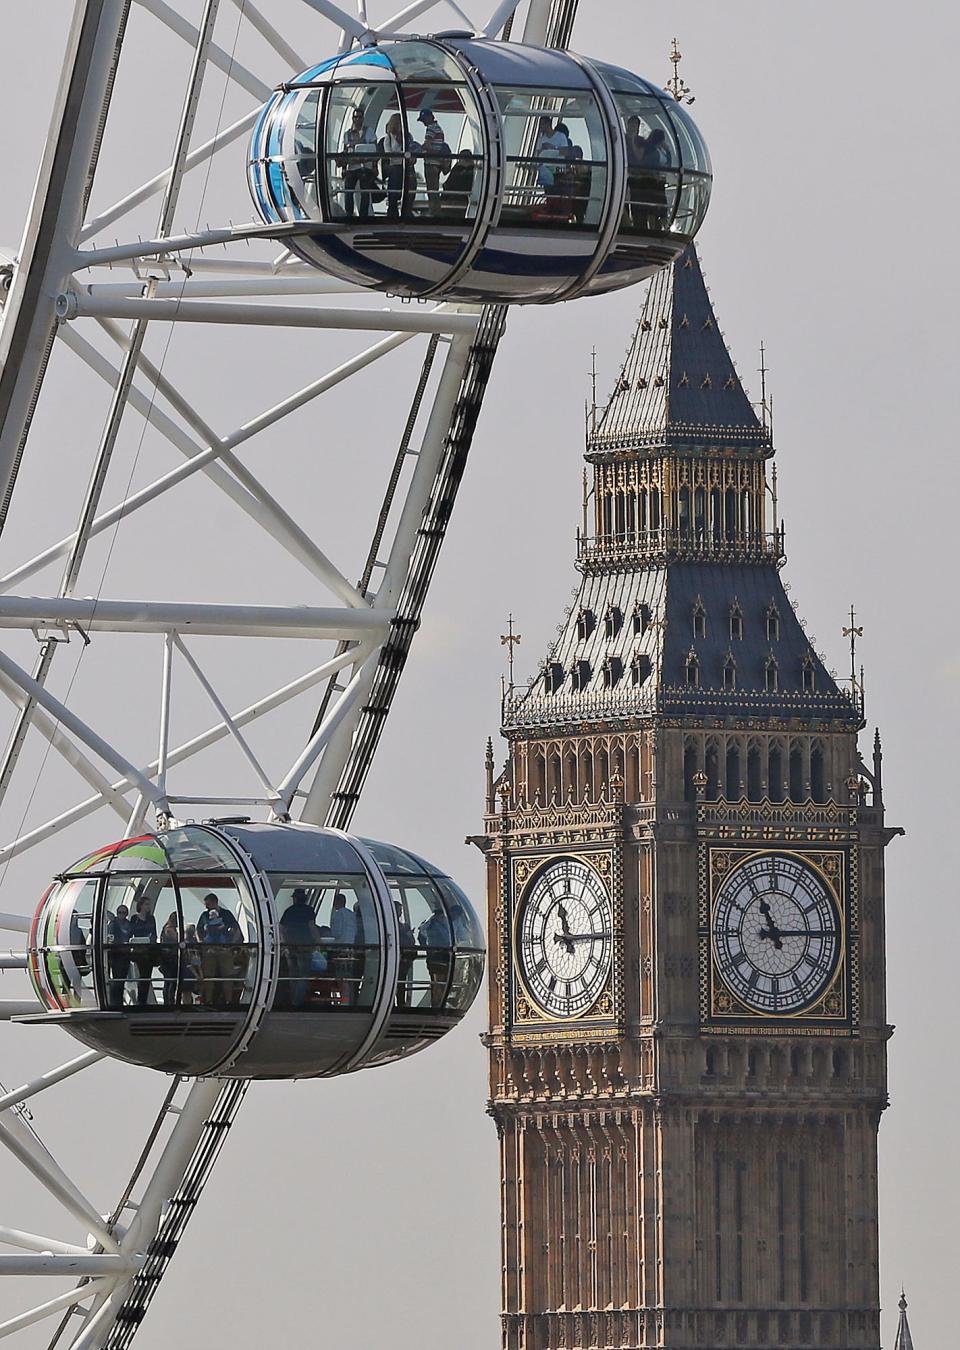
{"x": 692, "y": 146}
{"x": 512, "y": 64}
{"x": 397, "y": 861}
{"x": 464, "y": 922}
{"x": 624, "y": 81}
{"x": 317, "y": 72}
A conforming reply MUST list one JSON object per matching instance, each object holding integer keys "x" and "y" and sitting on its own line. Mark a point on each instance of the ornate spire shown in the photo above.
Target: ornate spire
{"x": 678, "y": 387}
{"x": 904, "y": 1340}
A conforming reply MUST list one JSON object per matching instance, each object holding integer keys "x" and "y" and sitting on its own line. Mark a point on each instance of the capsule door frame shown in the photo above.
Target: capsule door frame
{"x": 390, "y": 954}
{"x": 615, "y": 199}
{"x": 264, "y": 990}
{"x": 492, "y": 171}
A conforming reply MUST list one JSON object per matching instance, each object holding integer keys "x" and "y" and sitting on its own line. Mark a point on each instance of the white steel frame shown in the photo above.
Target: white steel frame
{"x": 56, "y": 294}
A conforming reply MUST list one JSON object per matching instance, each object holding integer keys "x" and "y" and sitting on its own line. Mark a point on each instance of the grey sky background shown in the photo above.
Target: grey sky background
{"x": 365, "y": 1211}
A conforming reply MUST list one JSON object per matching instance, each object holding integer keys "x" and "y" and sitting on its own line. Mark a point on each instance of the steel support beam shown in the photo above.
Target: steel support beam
{"x": 80, "y": 305}
{"x": 46, "y": 254}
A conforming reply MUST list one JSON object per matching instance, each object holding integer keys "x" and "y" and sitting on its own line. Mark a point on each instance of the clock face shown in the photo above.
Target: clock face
{"x": 564, "y": 939}
{"x": 776, "y": 933}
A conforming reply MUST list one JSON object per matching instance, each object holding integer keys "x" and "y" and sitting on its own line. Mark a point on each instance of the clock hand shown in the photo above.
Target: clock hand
{"x": 578, "y": 937}
{"x": 565, "y": 924}
{"x": 771, "y": 931}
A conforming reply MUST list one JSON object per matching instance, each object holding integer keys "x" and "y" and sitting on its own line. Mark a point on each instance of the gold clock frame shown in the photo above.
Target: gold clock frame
{"x": 525, "y": 871}
{"x": 719, "y": 1005}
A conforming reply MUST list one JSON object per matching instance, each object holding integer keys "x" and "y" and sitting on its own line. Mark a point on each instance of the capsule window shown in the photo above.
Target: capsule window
{"x": 653, "y": 162}
{"x": 329, "y": 942}
{"x": 556, "y": 159}
{"x": 63, "y": 940}
{"x": 406, "y": 151}
{"x": 139, "y": 908}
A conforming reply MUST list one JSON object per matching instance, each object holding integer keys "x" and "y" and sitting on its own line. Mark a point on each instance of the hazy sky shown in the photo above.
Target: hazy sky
{"x": 365, "y": 1211}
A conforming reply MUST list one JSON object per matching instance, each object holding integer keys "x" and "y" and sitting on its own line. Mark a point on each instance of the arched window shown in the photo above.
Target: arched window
{"x": 631, "y": 517}
{"x": 794, "y": 1063}
{"x": 553, "y": 766}
{"x": 730, "y": 516}
{"x": 641, "y": 618}
{"x": 633, "y": 774}
{"x": 580, "y": 676}
{"x": 606, "y": 508}
{"x": 745, "y": 523}
{"x": 654, "y": 508}
{"x": 612, "y": 621}
{"x": 699, "y": 619}
{"x": 818, "y": 785}
{"x": 684, "y": 512}
{"x": 716, "y": 515}
{"x": 612, "y": 671}
{"x": 603, "y": 770}
{"x": 640, "y": 668}
{"x": 712, "y": 767}
{"x": 572, "y": 786}
{"x": 736, "y": 622}
{"x": 753, "y": 1060}
{"x": 839, "y": 1063}
{"x": 797, "y": 793}
{"x": 808, "y": 675}
{"x": 771, "y": 675}
{"x": 773, "y": 623}
{"x": 621, "y": 513}
{"x": 585, "y": 623}
{"x": 775, "y": 772}
{"x": 689, "y": 770}
{"x": 733, "y": 772}
{"x": 729, "y": 672}
{"x": 692, "y": 671}
{"x": 643, "y": 510}
{"x": 710, "y": 1062}
{"x": 539, "y": 783}
{"x": 699, "y": 515}
{"x": 754, "y": 775}
{"x": 552, "y": 677}
{"x": 588, "y": 775}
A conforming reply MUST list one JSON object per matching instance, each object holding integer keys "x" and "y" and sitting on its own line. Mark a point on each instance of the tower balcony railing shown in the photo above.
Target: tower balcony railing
{"x": 632, "y": 547}
{"x": 522, "y": 707}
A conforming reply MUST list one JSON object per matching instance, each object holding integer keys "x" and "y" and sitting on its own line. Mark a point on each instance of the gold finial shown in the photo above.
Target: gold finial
{"x": 593, "y": 387}
{"x": 763, "y": 372}
{"x": 854, "y": 632}
{"x": 676, "y": 86}
{"x": 509, "y": 639}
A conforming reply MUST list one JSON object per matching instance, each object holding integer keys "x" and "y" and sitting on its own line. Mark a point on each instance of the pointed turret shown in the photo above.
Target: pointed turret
{"x": 904, "y": 1340}
{"x": 678, "y": 387}
{"x": 681, "y": 610}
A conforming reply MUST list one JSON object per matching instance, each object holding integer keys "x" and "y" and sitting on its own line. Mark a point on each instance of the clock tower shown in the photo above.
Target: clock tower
{"x": 685, "y": 870}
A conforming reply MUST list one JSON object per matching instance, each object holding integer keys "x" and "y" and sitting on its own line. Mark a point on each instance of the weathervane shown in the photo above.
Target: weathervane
{"x": 676, "y": 85}
{"x": 593, "y": 389}
{"x": 763, "y": 371}
{"x": 509, "y": 639}
{"x": 853, "y": 632}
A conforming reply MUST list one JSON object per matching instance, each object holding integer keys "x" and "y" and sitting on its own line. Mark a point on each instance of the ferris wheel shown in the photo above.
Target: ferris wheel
{"x": 396, "y": 181}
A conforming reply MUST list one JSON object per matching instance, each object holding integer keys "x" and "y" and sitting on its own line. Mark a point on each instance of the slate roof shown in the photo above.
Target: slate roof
{"x": 678, "y": 387}
{"x": 664, "y": 599}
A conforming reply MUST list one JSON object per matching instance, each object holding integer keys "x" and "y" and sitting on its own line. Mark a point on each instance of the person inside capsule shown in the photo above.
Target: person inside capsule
{"x": 357, "y": 164}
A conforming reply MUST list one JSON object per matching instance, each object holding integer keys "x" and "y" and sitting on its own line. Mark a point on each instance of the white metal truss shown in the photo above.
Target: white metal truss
{"x": 87, "y": 297}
